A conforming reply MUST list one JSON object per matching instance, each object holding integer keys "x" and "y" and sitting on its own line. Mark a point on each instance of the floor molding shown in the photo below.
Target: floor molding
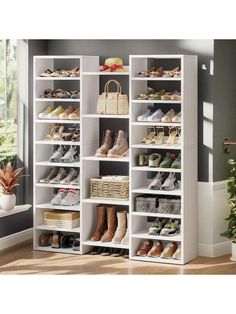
{"x": 215, "y": 250}
{"x": 16, "y": 238}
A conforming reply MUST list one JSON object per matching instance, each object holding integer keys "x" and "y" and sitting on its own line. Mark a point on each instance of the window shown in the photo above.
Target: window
{"x": 8, "y": 101}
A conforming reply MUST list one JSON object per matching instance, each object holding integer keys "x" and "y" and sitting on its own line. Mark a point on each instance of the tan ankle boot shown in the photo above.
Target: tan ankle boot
{"x": 107, "y": 143}
{"x": 111, "y": 222}
{"x": 125, "y": 239}
{"x": 101, "y": 223}
{"x": 121, "y": 146}
{"x": 121, "y": 227}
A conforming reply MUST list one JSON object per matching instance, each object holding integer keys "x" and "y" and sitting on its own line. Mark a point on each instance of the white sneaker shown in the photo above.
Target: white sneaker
{"x": 156, "y": 116}
{"x": 71, "y": 176}
{"x": 57, "y": 200}
{"x": 71, "y": 155}
{"x": 144, "y": 116}
{"x": 52, "y": 174}
{"x": 72, "y": 198}
{"x": 76, "y": 181}
{"x": 57, "y": 155}
{"x": 60, "y": 175}
{"x": 170, "y": 183}
{"x": 44, "y": 114}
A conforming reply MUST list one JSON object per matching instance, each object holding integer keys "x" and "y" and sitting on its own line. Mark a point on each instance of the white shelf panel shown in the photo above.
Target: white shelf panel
{"x": 176, "y": 192}
{"x": 147, "y": 123}
{"x": 53, "y": 228}
{"x": 93, "y": 158}
{"x": 57, "y": 143}
{"x": 17, "y": 209}
{"x": 145, "y": 235}
{"x": 106, "y": 116}
{"x": 58, "y": 57}
{"x": 60, "y": 78}
{"x": 59, "y": 207}
{"x": 61, "y": 121}
{"x": 97, "y": 73}
{"x": 157, "y": 260}
{"x": 58, "y": 164}
{"x": 56, "y": 100}
{"x": 156, "y": 169}
{"x": 153, "y": 146}
{"x": 156, "y": 79}
{"x": 151, "y": 101}
{"x": 146, "y": 214}
{"x": 59, "y": 250}
{"x": 49, "y": 185}
{"x": 106, "y": 244}
{"x": 105, "y": 201}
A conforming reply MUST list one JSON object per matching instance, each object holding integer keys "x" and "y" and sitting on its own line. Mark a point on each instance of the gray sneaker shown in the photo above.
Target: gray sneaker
{"x": 60, "y": 175}
{"x": 52, "y": 174}
{"x": 71, "y": 176}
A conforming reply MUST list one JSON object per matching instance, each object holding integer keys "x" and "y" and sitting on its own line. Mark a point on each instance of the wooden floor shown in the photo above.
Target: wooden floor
{"x": 23, "y": 260}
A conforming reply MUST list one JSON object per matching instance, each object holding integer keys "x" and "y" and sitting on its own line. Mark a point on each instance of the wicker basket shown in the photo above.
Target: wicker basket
{"x": 112, "y": 189}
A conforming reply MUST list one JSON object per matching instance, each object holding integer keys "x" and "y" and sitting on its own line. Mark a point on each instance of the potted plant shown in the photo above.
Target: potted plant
{"x": 231, "y": 218}
{"x": 9, "y": 178}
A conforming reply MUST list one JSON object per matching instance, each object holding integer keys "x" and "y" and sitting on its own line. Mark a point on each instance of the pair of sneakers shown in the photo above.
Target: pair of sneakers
{"x": 66, "y": 197}
{"x": 62, "y": 177}
{"x": 168, "y": 184}
{"x": 63, "y": 155}
{"x": 165, "y": 227}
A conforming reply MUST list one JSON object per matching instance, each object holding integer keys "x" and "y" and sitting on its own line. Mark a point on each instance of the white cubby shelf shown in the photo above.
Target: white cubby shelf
{"x": 92, "y": 125}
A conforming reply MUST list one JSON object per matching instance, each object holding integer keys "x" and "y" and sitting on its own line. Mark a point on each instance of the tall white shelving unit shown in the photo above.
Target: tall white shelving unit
{"x": 140, "y": 176}
{"x": 93, "y": 125}
{"x": 91, "y": 83}
{"x": 43, "y": 193}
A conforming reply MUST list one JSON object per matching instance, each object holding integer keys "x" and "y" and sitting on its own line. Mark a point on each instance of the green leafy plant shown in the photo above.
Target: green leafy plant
{"x": 231, "y": 218}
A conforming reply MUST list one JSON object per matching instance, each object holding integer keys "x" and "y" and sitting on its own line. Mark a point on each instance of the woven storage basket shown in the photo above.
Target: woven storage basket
{"x": 112, "y": 189}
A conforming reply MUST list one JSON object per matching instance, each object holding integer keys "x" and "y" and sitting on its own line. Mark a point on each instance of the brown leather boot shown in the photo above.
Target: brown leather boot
{"x": 101, "y": 223}
{"x": 111, "y": 221}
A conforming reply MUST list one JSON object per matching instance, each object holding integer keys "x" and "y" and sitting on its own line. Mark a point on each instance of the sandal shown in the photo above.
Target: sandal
{"x": 172, "y": 136}
{"x": 154, "y": 160}
{"x": 142, "y": 96}
{"x": 57, "y": 135}
{"x": 146, "y": 73}
{"x": 156, "y": 95}
{"x": 71, "y": 155}
{"x": 76, "y": 136}
{"x": 168, "y": 116}
{"x": 157, "y": 73}
{"x": 47, "y": 73}
{"x": 157, "y": 182}
{"x": 74, "y": 72}
{"x": 48, "y": 137}
{"x": 172, "y": 72}
{"x": 57, "y": 155}
{"x": 75, "y": 94}
{"x": 149, "y": 138}
{"x": 176, "y": 96}
{"x": 159, "y": 137}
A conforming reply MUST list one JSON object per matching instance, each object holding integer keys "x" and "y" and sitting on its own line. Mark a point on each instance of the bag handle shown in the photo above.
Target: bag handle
{"x": 118, "y": 86}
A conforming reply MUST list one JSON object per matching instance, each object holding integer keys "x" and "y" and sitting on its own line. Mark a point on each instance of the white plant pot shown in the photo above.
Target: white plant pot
{"x": 233, "y": 257}
{"x": 7, "y": 202}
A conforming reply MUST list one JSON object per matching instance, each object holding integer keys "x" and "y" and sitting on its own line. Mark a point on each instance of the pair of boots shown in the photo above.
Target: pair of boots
{"x": 117, "y": 149}
{"x": 111, "y": 226}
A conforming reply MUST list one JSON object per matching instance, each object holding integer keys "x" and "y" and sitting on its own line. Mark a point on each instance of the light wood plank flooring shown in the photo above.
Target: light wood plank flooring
{"x": 23, "y": 260}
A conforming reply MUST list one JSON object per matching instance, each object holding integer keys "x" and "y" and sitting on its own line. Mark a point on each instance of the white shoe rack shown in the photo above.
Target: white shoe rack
{"x": 91, "y": 84}
{"x": 141, "y": 176}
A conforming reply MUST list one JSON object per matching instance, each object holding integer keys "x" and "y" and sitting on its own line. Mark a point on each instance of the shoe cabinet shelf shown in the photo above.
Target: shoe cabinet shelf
{"x": 43, "y": 149}
{"x": 186, "y": 175}
{"x": 92, "y": 126}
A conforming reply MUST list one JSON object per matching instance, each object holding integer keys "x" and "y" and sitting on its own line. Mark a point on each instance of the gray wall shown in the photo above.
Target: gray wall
{"x": 123, "y": 48}
{"x": 224, "y": 105}
{"x": 22, "y": 221}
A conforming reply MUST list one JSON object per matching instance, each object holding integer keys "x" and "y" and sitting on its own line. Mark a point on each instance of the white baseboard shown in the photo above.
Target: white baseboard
{"x": 214, "y": 250}
{"x": 16, "y": 238}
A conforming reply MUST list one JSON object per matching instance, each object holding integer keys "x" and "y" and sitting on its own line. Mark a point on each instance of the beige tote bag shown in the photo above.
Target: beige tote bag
{"x": 112, "y": 102}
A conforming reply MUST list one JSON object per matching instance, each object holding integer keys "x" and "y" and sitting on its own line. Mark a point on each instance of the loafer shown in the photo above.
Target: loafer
{"x": 145, "y": 248}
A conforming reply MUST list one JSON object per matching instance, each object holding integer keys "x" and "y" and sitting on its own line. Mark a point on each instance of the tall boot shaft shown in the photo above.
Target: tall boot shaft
{"x": 111, "y": 223}
{"x": 101, "y": 223}
{"x": 121, "y": 227}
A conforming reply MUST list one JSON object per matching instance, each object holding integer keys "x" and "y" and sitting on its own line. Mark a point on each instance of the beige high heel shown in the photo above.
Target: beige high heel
{"x": 159, "y": 138}
{"x": 179, "y": 136}
{"x": 149, "y": 138}
{"x": 48, "y": 137}
{"x": 57, "y": 136}
{"x": 172, "y": 136}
